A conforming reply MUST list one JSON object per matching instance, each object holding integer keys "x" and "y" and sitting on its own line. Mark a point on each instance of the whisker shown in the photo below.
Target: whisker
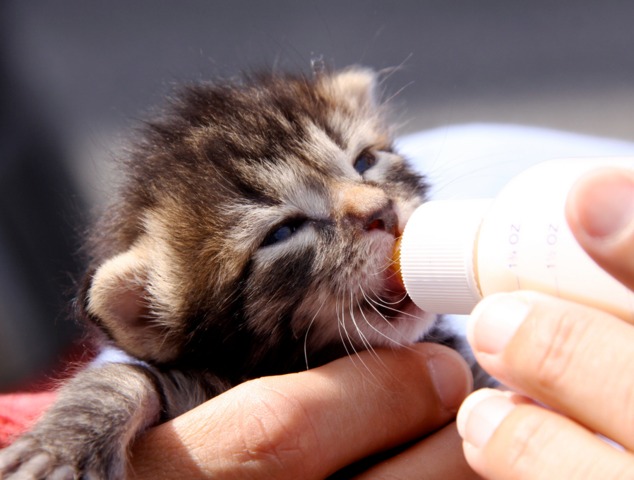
{"x": 378, "y": 303}
{"x": 398, "y": 92}
{"x": 310, "y": 324}
{"x": 392, "y": 273}
{"x": 387, "y": 305}
{"x": 345, "y": 330}
{"x": 369, "y": 324}
{"x": 387, "y": 337}
{"x": 367, "y": 345}
{"x": 389, "y": 263}
{"x": 386, "y": 73}
{"x": 340, "y": 325}
{"x": 356, "y": 353}
{"x": 385, "y": 302}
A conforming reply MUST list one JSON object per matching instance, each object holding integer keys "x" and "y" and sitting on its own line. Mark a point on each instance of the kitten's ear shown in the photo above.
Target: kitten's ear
{"x": 356, "y": 86}
{"x": 120, "y": 296}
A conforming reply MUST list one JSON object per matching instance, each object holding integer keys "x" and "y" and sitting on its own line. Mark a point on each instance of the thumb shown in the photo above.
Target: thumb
{"x": 600, "y": 212}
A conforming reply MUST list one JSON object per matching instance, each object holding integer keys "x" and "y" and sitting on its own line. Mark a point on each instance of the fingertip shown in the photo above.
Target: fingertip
{"x": 467, "y": 408}
{"x": 600, "y": 214}
{"x": 480, "y": 414}
{"x": 451, "y": 377}
{"x": 495, "y": 320}
{"x": 600, "y": 205}
{"x": 474, "y": 457}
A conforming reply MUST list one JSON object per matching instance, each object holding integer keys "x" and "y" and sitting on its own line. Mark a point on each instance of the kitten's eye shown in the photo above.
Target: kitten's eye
{"x": 365, "y": 161}
{"x": 283, "y": 232}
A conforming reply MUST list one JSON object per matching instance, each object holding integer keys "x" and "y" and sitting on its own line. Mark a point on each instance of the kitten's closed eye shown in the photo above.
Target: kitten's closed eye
{"x": 283, "y": 232}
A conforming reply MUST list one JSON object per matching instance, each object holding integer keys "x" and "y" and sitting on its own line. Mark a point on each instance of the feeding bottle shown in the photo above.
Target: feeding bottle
{"x": 455, "y": 252}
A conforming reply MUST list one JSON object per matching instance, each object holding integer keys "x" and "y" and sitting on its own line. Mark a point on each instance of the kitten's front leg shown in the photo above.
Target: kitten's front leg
{"x": 87, "y": 431}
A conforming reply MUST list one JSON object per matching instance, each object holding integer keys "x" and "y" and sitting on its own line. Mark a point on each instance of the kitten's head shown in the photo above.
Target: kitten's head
{"x": 258, "y": 223}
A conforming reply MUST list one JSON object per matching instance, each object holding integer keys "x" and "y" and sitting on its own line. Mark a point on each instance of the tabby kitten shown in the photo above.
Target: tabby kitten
{"x": 253, "y": 236}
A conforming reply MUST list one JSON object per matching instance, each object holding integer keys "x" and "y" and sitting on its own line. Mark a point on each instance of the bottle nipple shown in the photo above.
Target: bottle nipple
{"x": 396, "y": 261}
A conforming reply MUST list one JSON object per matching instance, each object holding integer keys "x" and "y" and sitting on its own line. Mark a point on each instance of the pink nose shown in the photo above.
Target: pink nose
{"x": 367, "y": 207}
{"x": 382, "y": 219}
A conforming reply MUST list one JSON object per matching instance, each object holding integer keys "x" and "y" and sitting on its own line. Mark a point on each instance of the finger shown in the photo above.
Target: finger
{"x": 505, "y": 436}
{"x": 310, "y": 424}
{"x": 600, "y": 212}
{"x": 574, "y": 358}
{"x": 444, "y": 447}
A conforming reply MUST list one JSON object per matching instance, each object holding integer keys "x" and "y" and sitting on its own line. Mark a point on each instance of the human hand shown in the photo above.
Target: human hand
{"x": 311, "y": 424}
{"x": 575, "y": 359}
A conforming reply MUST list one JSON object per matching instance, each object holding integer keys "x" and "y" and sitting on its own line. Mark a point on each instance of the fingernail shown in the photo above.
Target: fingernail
{"x": 494, "y": 321}
{"x": 604, "y": 202}
{"x": 481, "y": 414}
{"x": 451, "y": 377}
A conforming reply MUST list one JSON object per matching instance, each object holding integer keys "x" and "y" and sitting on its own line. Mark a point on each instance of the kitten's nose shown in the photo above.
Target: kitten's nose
{"x": 366, "y": 207}
{"x": 383, "y": 218}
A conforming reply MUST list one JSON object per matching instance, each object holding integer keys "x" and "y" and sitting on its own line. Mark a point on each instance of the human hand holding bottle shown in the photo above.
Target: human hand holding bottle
{"x": 576, "y": 359}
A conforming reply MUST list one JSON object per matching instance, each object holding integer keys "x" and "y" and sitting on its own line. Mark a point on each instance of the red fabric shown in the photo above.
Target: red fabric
{"x": 19, "y": 411}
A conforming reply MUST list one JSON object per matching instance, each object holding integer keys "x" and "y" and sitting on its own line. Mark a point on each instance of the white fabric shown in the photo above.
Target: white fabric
{"x": 477, "y": 160}
{"x": 114, "y": 355}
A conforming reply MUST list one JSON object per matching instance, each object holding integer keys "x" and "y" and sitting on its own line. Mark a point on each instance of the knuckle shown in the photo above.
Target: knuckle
{"x": 276, "y": 432}
{"x": 558, "y": 341}
{"x": 522, "y": 447}
{"x": 535, "y": 443}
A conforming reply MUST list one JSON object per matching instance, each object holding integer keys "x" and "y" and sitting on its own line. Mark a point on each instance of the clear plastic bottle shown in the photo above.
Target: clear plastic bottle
{"x": 453, "y": 253}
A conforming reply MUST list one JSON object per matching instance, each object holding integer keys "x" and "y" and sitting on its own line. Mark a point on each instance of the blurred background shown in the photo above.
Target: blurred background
{"x": 76, "y": 75}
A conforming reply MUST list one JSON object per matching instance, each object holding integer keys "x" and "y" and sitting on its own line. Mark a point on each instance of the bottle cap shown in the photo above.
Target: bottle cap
{"x": 438, "y": 255}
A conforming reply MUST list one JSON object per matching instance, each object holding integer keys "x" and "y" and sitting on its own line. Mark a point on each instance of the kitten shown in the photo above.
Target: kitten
{"x": 253, "y": 236}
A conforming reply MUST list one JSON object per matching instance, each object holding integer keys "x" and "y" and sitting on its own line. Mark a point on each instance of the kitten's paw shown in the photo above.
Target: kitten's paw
{"x": 29, "y": 459}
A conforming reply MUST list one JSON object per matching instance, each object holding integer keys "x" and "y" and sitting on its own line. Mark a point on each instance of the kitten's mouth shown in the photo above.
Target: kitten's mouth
{"x": 391, "y": 300}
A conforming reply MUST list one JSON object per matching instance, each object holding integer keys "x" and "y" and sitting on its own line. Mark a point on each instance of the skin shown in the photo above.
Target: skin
{"x": 576, "y": 359}
{"x": 312, "y": 424}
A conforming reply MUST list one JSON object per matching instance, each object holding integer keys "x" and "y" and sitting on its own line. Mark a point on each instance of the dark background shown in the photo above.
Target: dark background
{"x": 75, "y": 75}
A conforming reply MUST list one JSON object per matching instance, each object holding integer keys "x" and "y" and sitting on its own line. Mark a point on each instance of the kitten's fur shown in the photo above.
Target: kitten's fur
{"x": 253, "y": 237}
